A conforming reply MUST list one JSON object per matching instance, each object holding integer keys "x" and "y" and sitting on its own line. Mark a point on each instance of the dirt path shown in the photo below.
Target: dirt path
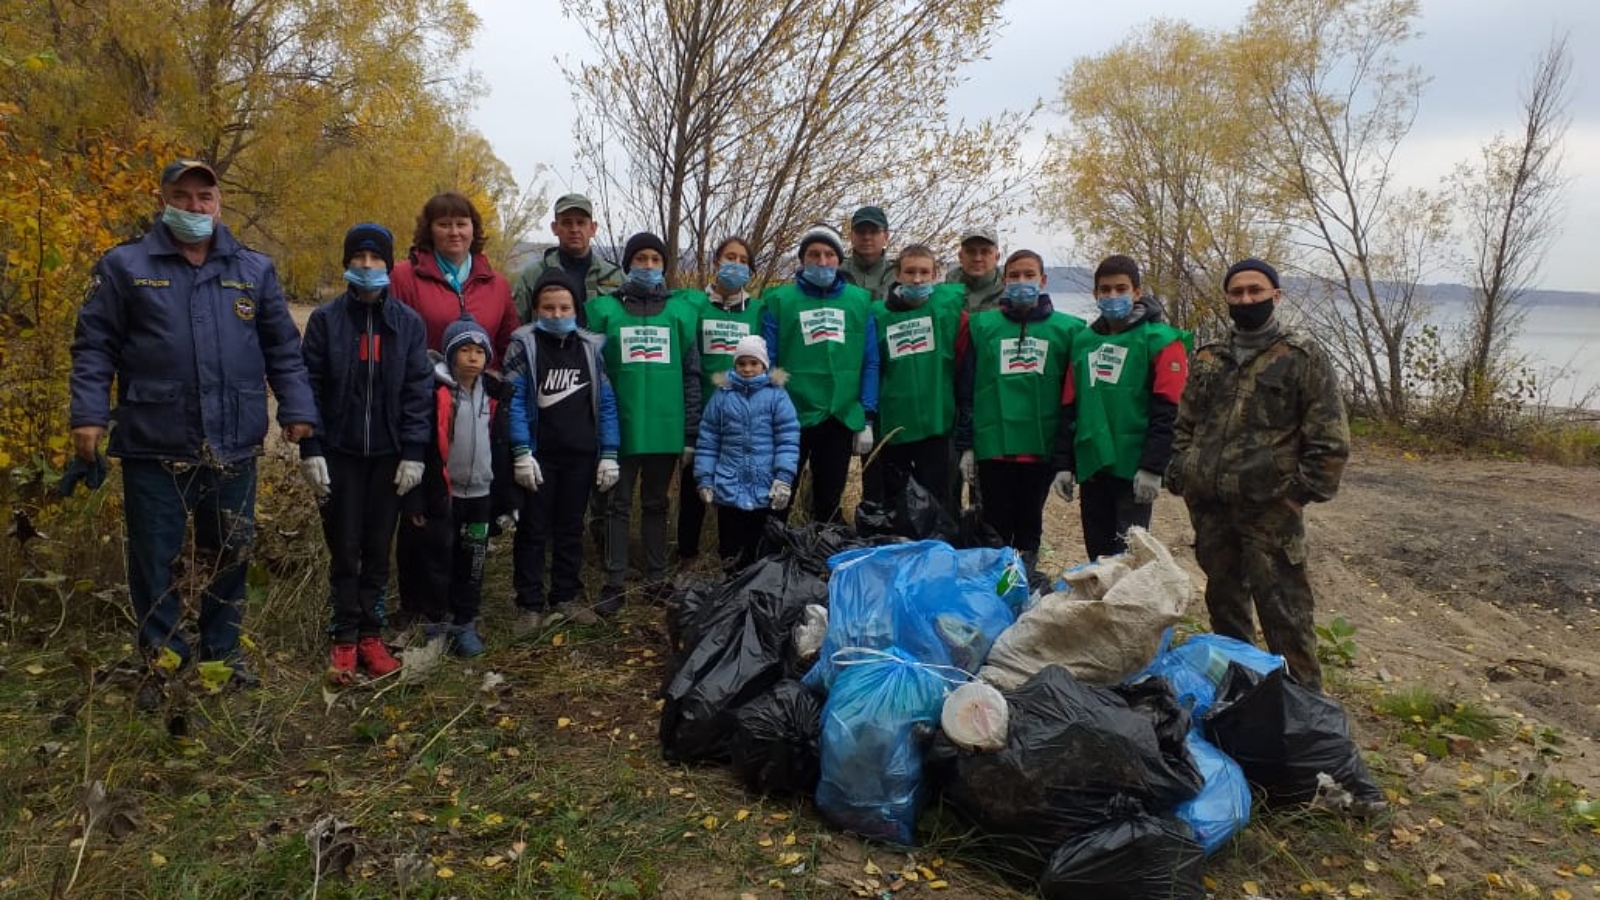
{"x": 1477, "y": 578}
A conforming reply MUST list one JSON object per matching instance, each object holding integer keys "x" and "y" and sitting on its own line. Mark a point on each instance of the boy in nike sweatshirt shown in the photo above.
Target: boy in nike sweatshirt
{"x": 564, "y": 437}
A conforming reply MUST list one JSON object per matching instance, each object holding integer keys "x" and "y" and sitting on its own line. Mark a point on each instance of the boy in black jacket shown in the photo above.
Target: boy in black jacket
{"x": 367, "y": 359}
{"x": 464, "y": 489}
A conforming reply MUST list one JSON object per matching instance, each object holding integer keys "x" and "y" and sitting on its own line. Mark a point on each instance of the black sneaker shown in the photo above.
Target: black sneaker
{"x": 611, "y": 600}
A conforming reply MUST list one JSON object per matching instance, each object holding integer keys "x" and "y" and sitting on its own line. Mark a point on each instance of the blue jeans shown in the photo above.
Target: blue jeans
{"x": 158, "y": 498}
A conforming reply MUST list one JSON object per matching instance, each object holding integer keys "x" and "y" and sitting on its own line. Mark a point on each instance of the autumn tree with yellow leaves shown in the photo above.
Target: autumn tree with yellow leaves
{"x": 316, "y": 114}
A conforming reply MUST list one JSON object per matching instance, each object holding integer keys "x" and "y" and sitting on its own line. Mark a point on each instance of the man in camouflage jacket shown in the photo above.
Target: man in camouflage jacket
{"x": 1261, "y": 432}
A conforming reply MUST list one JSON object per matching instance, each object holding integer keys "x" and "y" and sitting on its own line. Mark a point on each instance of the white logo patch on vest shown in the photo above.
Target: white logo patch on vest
{"x": 1105, "y": 364}
{"x": 1023, "y": 356}
{"x": 646, "y": 344}
{"x": 823, "y": 324}
{"x": 910, "y": 337}
{"x": 720, "y": 337}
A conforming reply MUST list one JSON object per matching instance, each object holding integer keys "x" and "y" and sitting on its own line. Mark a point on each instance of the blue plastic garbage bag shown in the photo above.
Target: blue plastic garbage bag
{"x": 883, "y": 709}
{"x": 935, "y": 604}
{"x": 1195, "y": 668}
{"x": 1222, "y": 808}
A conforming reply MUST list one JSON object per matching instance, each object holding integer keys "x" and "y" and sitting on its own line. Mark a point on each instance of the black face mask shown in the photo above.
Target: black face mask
{"x": 1251, "y": 316}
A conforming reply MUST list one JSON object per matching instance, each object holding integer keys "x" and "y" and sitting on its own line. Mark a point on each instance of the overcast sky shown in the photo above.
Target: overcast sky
{"x": 1477, "y": 52}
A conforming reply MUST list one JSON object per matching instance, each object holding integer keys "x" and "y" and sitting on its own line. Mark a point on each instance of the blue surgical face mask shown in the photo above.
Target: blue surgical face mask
{"x": 647, "y": 278}
{"x": 1022, "y": 294}
{"x": 733, "y": 276}
{"x": 821, "y": 276}
{"x": 917, "y": 291}
{"x": 367, "y": 279}
{"x": 556, "y": 324}
{"x": 1115, "y": 308}
{"x": 188, "y": 227}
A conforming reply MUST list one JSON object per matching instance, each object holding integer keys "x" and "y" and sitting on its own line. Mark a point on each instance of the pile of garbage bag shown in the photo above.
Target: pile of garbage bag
{"x": 866, "y": 676}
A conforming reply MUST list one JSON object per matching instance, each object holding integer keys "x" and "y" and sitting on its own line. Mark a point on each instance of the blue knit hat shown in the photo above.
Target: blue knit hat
{"x": 370, "y": 236}
{"x": 466, "y": 330}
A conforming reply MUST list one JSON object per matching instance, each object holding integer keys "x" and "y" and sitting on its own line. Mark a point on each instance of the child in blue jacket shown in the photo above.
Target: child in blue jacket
{"x": 747, "y": 452}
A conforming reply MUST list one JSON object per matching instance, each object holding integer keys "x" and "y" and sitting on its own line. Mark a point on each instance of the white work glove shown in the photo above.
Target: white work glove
{"x": 780, "y": 494}
{"x": 1146, "y": 485}
{"x": 863, "y": 444}
{"x": 607, "y": 474}
{"x": 705, "y": 496}
{"x": 526, "y": 473}
{"x": 407, "y": 477}
{"x": 969, "y": 467}
{"x": 1064, "y": 484}
{"x": 314, "y": 469}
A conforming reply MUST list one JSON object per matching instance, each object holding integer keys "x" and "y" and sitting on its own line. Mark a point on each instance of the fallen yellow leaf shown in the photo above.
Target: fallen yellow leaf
{"x": 786, "y": 859}
{"x": 157, "y": 859}
{"x": 1435, "y": 879}
{"x": 493, "y": 862}
{"x": 563, "y": 722}
{"x": 1494, "y": 879}
{"x": 557, "y": 640}
{"x": 1561, "y": 894}
{"x": 1358, "y": 890}
{"x": 445, "y": 872}
{"x": 775, "y": 883}
{"x": 927, "y": 873}
{"x": 1250, "y": 887}
{"x": 788, "y": 839}
{"x": 1209, "y": 882}
{"x": 1585, "y": 870}
{"x": 741, "y": 815}
{"x": 33, "y": 669}
{"x": 938, "y": 884}
{"x": 765, "y": 842}
{"x": 709, "y": 823}
{"x": 1371, "y": 865}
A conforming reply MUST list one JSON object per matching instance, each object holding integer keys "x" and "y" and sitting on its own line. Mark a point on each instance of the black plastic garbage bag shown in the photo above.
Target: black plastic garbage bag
{"x": 1071, "y": 749}
{"x": 1132, "y": 856}
{"x": 738, "y": 639}
{"x": 1283, "y": 734}
{"x": 975, "y": 532}
{"x": 913, "y": 513}
{"x": 776, "y": 743}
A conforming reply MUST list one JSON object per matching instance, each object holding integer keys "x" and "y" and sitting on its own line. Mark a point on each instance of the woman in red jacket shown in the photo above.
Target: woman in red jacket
{"x": 447, "y": 276}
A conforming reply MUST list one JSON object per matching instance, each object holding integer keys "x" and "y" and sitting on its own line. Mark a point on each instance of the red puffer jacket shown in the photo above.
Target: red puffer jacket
{"x": 486, "y": 296}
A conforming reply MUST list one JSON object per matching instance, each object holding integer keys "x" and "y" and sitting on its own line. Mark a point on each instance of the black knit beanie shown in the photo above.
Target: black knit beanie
{"x": 644, "y": 240}
{"x": 369, "y": 236}
{"x": 1251, "y": 264}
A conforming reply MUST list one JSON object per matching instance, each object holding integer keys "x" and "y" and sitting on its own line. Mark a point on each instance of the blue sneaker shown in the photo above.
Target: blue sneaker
{"x": 464, "y": 640}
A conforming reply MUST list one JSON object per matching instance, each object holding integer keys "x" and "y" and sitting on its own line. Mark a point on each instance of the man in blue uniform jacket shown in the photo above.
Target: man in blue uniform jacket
{"x": 192, "y": 327}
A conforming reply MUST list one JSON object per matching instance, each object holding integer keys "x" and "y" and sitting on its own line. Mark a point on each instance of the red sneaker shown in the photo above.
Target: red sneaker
{"x": 375, "y": 657}
{"x": 341, "y": 663}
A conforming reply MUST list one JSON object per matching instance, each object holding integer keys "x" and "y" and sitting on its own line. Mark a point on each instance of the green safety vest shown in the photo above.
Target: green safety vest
{"x": 644, "y": 360}
{"x": 821, "y": 344}
{"x": 1019, "y": 368}
{"x": 1111, "y": 381}
{"x": 720, "y": 332}
{"x": 917, "y": 366}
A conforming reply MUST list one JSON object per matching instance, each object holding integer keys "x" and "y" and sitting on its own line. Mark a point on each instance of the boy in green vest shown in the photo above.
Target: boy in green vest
{"x": 1118, "y": 408}
{"x": 654, "y": 364}
{"x": 727, "y": 314}
{"x": 1008, "y": 398}
{"x": 821, "y": 329}
{"x": 919, "y": 328}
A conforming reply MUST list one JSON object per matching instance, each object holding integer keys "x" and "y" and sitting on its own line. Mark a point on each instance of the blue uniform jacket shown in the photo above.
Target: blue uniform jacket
{"x": 192, "y": 351}
{"x": 522, "y": 367}
{"x": 749, "y": 437}
{"x": 377, "y": 354}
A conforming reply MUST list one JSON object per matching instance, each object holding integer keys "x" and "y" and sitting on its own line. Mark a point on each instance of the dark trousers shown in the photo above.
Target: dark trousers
{"x": 158, "y": 498}
{"x": 927, "y": 460}
{"x": 691, "y": 514}
{"x": 1108, "y": 509}
{"x": 358, "y": 522}
{"x": 552, "y": 518}
{"x": 826, "y": 447}
{"x": 447, "y": 580}
{"x": 1013, "y": 500}
{"x": 653, "y": 472}
{"x": 1255, "y": 554}
{"x": 739, "y": 535}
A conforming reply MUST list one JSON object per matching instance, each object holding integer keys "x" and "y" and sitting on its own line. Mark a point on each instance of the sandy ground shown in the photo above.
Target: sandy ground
{"x": 1475, "y": 578}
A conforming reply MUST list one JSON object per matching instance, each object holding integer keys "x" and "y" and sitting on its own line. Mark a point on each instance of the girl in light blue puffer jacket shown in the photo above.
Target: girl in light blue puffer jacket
{"x": 747, "y": 452}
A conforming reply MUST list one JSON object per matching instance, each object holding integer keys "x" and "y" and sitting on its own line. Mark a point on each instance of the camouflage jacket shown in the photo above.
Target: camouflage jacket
{"x": 1260, "y": 425}
{"x": 604, "y": 277}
